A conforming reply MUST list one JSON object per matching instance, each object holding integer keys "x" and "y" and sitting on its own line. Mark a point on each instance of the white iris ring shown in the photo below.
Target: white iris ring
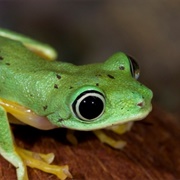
{"x": 83, "y": 96}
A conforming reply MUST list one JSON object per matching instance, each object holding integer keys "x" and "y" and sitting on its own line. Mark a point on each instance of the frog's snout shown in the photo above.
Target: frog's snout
{"x": 145, "y": 101}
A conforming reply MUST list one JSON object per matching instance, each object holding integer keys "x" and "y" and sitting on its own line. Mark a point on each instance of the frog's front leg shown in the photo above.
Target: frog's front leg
{"x": 121, "y": 128}
{"x": 118, "y": 129}
{"x": 7, "y": 148}
{"x": 42, "y": 162}
{"x": 19, "y": 157}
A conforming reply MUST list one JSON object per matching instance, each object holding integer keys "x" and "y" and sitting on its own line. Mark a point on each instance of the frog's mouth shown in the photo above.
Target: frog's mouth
{"x": 133, "y": 118}
{"x": 95, "y": 125}
{"x": 136, "y": 117}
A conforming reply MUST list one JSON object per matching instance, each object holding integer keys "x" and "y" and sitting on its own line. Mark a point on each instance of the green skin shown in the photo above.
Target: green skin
{"x": 49, "y": 88}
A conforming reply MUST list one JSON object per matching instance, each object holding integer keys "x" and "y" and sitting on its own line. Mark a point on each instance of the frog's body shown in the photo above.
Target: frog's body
{"x": 50, "y": 90}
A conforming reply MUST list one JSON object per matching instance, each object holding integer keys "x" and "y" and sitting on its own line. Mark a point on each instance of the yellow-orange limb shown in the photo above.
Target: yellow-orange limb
{"x": 121, "y": 128}
{"x": 42, "y": 162}
{"x": 108, "y": 140}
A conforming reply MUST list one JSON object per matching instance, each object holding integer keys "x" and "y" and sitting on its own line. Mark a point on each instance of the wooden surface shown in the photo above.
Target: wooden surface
{"x": 152, "y": 152}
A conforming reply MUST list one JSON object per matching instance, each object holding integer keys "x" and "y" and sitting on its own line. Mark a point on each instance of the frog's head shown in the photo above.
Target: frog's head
{"x": 107, "y": 94}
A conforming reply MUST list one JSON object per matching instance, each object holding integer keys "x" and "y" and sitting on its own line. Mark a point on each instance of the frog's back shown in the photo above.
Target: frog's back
{"x": 15, "y": 55}
{"x": 24, "y": 74}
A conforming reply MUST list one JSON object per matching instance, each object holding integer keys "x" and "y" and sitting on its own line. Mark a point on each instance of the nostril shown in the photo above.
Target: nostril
{"x": 141, "y": 104}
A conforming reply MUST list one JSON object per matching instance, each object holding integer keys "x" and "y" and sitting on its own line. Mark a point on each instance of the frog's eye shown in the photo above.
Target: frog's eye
{"x": 89, "y": 105}
{"x": 135, "y": 71}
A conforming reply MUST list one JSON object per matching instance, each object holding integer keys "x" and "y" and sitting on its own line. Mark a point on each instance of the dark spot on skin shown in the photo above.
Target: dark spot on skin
{"x": 1, "y": 58}
{"x": 98, "y": 75}
{"x": 97, "y": 84}
{"x": 56, "y": 86}
{"x": 60, "y": 120}
{"x": 70, "y": 87}
{"x": 110, "y": 76}
{"x": 45, "y": 107}
{"x": 58, "y": 76}
{"x": 8, "y": 64}
{"x": 121, "y": 67}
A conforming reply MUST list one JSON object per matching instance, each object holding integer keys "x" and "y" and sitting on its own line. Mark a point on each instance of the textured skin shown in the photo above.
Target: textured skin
{"x": 48, "y": 87}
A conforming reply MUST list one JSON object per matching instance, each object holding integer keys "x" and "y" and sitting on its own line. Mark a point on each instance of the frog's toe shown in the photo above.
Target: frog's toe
{"x": 108, "y": 140}
{"x": 42, "y": 162}
{"x": 48, "y": 158}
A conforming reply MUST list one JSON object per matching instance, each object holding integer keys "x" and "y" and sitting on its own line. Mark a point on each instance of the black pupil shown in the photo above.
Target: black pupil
{"x": 91, "y": 107}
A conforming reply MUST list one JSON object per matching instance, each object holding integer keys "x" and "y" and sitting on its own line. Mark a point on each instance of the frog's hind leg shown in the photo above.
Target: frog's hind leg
{"x": 118, "y": 129}
{"x": 7, "y": 148}
{"x": 41, "y": 49}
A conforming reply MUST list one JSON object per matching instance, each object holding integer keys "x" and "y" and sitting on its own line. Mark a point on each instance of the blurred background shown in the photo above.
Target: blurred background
{"x": 91, "y": 31}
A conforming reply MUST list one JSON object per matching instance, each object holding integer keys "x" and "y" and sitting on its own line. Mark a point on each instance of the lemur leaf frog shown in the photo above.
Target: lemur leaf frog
{"x": 38, "y": 91}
